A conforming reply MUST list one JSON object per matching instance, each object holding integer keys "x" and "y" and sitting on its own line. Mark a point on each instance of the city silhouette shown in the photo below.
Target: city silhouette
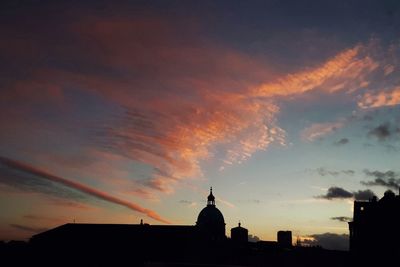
{"x": 373, "y": 240}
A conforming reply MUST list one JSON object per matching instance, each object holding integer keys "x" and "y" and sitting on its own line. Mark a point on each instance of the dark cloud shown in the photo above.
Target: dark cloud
{"x": 388, "y": 179}
{"x": 324, "y": 172}
{"x": 348, "y": 172}
{"x": 340, "y": 193}
{"x": 363, "y": 194}
{"x": 341, "y": 142}
{"x": 337, "y": 193}
{"x": 329, "y": 241}
{"x": 381, "y": 132}
{"x": 28, "y": 228}
{"x": 30, "y": 175}
{"x": 367, "y": 117}
{"x": 341, "y": 219}
{"x": 253, "y": 238}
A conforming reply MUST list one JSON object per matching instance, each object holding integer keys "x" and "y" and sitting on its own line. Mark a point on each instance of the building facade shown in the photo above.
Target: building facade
{"x": 375, "y": 225}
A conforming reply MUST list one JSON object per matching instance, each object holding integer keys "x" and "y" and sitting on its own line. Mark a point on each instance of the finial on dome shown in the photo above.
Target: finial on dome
{"x": 239, "y": 223}
{"x": 211, "y": 199}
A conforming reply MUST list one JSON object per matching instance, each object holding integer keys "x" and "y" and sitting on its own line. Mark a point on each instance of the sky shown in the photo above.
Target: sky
{"x": 117, "y": 112}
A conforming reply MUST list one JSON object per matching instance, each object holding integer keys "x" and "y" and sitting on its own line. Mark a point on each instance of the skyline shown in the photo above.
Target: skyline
{"x": 117, "y": 113}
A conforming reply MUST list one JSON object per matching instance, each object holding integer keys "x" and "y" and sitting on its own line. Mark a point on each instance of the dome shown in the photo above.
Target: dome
{"x": 210, "y": 215}
{"x": 211, "y": 221}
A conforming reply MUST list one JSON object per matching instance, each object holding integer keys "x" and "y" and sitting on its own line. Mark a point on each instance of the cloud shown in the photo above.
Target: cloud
{"x": 348, "y": 172}
{"x": 32, "y": 174}
{"x": 324, "y": 172}
{"x": 328, "y": 241}
{"x": 363, "y": 194}
{"x": 336, "y": 74}
{"x": 253, "y": 238}
{"x": 188, "y": 203}
{"x": 388, "y": 179}
{"x": 28, "y": 228}
{"x": 380, "y": 99}
{"x": 388, "y": 69}
{"x": 342, "y": 141}
{"x": 33, "y": 217}
{"x": 318, "y": 130}
{"x": 342, "y": 219}
{"x": 381, "y": 132}
{"x": 368, "y": 117}
{"x": 28, "y": 182}
{"x": 173, "y": 96}
{"x": 340, "y": 193}
{"x": 337, "y": 193}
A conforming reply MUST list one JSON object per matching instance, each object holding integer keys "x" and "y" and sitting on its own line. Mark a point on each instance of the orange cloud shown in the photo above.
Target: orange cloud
{"x": 380, "y": 99}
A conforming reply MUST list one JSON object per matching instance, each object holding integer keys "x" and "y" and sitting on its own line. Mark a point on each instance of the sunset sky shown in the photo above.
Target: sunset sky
{"x": 112, "y": 113}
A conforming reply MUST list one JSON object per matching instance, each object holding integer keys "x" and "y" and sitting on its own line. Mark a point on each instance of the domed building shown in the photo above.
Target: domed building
{"x": 211, "y": 221}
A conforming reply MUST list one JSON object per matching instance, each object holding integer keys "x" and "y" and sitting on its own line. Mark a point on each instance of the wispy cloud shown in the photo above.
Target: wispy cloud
{"x": 345, "y": 72}
{"x": 34, "y": 173}
{"x": 28, "y": 228}
{"x": 188, "y": 203}
{"x": 34, "y": 217}
{"x": 388, "y": 179}
{"x": 341, "y": 219}
{"x": 341, "y": 142}
{"x": 174, "y": 98}
{"x": 318, "y": 130}
{"x": 324, "y": 172}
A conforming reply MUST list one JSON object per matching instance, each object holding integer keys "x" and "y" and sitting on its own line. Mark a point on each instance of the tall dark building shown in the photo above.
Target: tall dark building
{"x": 375, "y": 225}
{"x": 211, "y": 221}
{"x": 239, "y": 234}
{"x": 284, "y": 239}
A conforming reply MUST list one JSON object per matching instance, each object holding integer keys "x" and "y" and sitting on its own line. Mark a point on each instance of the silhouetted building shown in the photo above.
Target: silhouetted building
{"x": 284, "y": 239}
{"x": 155, "y": 242}
{"x": 375, "y": 225}
{"x": 239, "y": 234}
{"x": 203, "y": 244}
{"x": 211, "y": 221}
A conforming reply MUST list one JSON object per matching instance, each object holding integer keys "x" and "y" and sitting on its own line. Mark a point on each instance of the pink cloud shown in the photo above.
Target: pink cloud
{"x": 181, "y": 95}
{"x": 347, "y": 70}
{"x": 79, "y": 187}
